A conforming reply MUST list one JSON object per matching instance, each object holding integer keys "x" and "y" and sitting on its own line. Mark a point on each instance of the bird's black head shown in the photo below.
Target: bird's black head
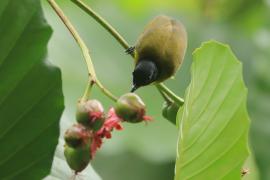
{"x": 144, "y": 73}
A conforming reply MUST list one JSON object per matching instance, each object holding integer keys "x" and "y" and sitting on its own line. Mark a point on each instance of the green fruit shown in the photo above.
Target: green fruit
{"x": 90, "y": 113}
{"x": 172, "y": 112}
{"x": 165, "y": 110}
{"x": 130, "y": 108}
{"x": 77, "y": 158}
{"x": 77, "y": 135}
{"x": 169, "y": 111}
{"x": 159, "y": 51}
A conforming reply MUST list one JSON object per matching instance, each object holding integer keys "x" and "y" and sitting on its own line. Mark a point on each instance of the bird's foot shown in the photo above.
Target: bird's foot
{"x": 130, "y": 50}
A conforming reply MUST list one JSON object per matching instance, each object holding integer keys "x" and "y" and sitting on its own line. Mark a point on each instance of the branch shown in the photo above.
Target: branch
{"x": 102, "y": 22}
{"x": 90, "y": 67}
{"x": 124, "y": 44}
{"x": 179, "y": 101}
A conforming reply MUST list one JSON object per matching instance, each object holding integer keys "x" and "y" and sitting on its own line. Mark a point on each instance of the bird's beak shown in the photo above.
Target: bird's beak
{"x": 134, "y": 87}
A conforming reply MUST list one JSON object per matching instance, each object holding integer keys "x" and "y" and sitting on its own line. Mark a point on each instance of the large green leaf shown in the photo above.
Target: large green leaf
{"x": 213, "y": 132}
{"x": 31, "y": 100}
{"x": 259, "y": 108}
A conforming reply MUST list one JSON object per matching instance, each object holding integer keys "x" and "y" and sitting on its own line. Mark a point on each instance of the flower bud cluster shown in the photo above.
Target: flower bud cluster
{"x": 93, "y": 125}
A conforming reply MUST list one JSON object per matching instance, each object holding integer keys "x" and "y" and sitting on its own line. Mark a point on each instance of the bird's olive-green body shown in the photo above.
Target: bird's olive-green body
{"x": 163, "y": 41}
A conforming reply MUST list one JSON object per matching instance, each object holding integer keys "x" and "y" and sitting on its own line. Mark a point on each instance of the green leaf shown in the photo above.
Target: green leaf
{"x": 213, "y": 133}
{"x": 259, "y": 111}
{"x": 31, "y": 100}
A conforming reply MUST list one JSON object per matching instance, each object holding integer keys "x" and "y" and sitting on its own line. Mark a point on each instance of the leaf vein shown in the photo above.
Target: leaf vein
{"x": 218, "y": 157}
{"x": 204, "y": 109}
{"x": 27, "y": 144}
{"x": 27, "y": 22}
{"x": 218, "y": 134}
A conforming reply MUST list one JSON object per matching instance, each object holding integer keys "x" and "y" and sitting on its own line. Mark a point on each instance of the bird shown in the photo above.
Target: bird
{"x": 158, "y": 52}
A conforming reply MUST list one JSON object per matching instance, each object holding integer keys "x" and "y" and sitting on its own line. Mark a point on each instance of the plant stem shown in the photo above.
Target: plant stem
{"x": 165, "y": 97}
{"x": 179, "y": 101}
{"x": 85, "y": 51}
{"x": 88, "y": 89}
{"x": 102, "y": 22}
{"x": 124, "y": 44}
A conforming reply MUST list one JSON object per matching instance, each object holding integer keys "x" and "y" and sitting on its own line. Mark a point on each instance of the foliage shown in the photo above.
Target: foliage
{"x": 213, "y": 126}
{"x": 242, "y": 26}
{"x": 31, "y": 100}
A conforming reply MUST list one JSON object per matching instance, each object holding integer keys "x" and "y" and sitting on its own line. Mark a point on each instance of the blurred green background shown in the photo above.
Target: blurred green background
{"x": 148, "y": 151}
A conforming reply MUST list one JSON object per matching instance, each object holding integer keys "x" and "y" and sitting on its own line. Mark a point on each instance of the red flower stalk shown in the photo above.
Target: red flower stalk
{"x": 112, "y": 122}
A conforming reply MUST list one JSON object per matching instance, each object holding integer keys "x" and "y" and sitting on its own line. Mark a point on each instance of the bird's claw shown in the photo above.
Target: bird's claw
{"x": 130, "y": 50}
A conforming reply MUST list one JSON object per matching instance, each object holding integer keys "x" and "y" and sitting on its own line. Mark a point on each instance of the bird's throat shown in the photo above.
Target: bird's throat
{"x": 144, "y": 74}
